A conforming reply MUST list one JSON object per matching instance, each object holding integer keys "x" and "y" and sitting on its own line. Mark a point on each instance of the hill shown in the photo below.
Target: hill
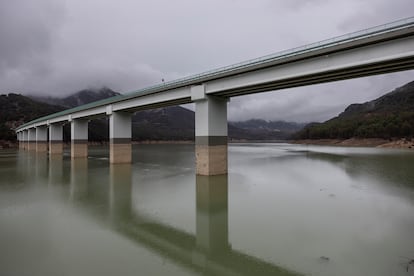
{"x": 258, "y": 129}
{"x": 17, "y": 109}
{"x": 390, "y": 116}
{"x": 169, "y": 123}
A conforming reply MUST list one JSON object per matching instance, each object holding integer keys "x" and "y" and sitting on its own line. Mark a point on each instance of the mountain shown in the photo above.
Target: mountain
{"x": 168, "y": 123}
{"x": 258, "y": 129}
{"x": 177, "y": 123}
{"x": 389, "y": 116}
{"x": 79, "y": 98}
{"x": 17, "y": 109}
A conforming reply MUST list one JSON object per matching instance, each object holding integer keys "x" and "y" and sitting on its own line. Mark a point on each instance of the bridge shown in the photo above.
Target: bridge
{"x": 378, "y": 50}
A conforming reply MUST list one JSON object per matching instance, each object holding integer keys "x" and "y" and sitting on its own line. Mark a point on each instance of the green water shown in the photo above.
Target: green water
{"x": 282, "y": 210}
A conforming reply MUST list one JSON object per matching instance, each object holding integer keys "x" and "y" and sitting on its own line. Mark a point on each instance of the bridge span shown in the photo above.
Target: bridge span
{"x": 378, "y": 50}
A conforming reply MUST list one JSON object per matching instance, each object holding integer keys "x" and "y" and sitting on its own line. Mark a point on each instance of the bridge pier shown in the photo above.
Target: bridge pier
{"x": 120, "y": 133}
{"x": 25, "y": 136}
{"x": 79, "y": 138}
{"x": 31, "y": 140}
{"x": 41, "y": 139}
{"x": 210, "y": 132}
{"x": 55, "y": 139}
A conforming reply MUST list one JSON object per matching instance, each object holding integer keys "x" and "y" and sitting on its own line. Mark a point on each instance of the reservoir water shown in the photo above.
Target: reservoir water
{"x": 282, "y": 210}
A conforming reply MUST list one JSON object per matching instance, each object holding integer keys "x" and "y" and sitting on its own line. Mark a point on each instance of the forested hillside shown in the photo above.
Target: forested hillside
{"x": 17, "y": 109}
{"x": 390, "y": 116}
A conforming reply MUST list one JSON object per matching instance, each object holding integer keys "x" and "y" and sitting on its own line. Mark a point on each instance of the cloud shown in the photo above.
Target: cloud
{"x": 58, "y": 47}
{"x": 27, "y": 31}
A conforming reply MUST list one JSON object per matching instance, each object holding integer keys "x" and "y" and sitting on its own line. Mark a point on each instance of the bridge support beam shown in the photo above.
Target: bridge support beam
{"x": 211, "y": 132}
{"x": 25, "y": 135}
{"x": 31, "y": 140}
{"x": 120, "y": 148}
{"x": 41, "y": 139}
{"x": 55, "y": 138}
{"x": 79, "y": 138}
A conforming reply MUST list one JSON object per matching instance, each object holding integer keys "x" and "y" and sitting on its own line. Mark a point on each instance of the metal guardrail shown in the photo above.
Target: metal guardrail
{"x": 366, "y": 33}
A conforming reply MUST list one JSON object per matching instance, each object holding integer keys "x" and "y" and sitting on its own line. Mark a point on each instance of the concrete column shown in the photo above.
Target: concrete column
{"x": 31, "y": 140}
{"x": 212, "y": 235}
{"x": 211, "y": 133}
{"x": 120, "y": 149}
{"x": 55, "y": 138}
{"x": 79, "y": 138}
{"x": 25, "y": 138}
{"x": 41, "y": 139}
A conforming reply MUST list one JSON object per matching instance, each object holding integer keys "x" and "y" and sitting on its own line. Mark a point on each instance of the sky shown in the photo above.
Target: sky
{"x": 58, "y": 47}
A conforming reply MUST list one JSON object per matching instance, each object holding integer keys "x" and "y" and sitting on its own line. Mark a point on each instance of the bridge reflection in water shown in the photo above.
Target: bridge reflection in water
{"x": 208, "y": 251}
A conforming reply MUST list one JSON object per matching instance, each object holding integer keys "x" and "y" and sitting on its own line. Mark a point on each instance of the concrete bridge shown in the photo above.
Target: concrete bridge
{"x": 382, "y": 49}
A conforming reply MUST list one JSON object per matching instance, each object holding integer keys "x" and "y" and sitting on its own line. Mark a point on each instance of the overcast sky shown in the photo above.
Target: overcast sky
{"x": 57, "y": 47}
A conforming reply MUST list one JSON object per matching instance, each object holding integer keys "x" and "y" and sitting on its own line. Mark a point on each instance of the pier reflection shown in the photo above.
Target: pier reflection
{"x": 208, "y": 251}
{"x": 78, "y": 179}
{"x": 120, "y": 191}
{"x": 55, "y": 169}
{"x": 212, "y": 213}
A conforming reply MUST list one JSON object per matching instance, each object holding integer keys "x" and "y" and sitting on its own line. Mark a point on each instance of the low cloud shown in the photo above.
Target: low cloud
{"x": 57, "y": 47}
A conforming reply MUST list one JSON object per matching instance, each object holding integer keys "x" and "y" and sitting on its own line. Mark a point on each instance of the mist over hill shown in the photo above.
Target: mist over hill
{"x": 79, "y": 98}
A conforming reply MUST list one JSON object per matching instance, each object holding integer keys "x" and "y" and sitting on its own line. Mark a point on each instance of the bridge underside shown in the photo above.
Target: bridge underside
{"x": 334, "y": 75}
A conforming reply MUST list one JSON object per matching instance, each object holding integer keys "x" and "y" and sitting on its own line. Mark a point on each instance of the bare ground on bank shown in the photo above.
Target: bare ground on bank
{"x": 402, "y": 143}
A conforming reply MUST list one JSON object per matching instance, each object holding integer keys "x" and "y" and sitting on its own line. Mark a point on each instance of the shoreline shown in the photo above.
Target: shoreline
{"x": 401, "y": 143}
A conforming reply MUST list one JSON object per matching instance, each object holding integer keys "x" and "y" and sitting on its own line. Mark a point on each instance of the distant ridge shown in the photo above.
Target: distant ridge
{"x": 17, "y": 109}
{"x": 173, "y": 123}
{"x": 389, "y": 116}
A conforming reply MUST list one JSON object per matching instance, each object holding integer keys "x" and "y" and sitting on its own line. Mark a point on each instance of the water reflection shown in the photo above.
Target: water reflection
{"x": 208, "y": 251}
{"x": 212, "y": 213}
{"x": 78, "y": 179}
{"x": 55, "y": 169}
{"x": 120, "y": 191}
{"x": 323, "y": 213}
